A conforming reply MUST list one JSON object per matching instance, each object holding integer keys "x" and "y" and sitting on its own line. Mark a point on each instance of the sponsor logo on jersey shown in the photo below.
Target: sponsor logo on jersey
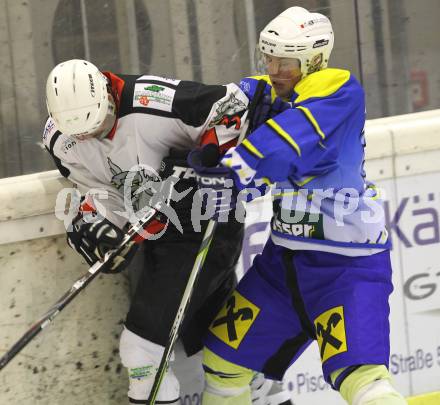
{"x": 155, "y": 88}
{"x": 300, "y": 224}
{"x": 68, "y": 144}
{"x": 234, "y": 320}
{"x": 144, "y": 100}
{"x": 229, "y": 113}
{"x": 153, "y": 96}
{"x": 304, "y": 230}
{"x": 330, "y": 333}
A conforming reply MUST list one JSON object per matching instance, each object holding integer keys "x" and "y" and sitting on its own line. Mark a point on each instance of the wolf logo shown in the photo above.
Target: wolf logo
{"x": 140, "y": 178}
{"x": 146, "y": 190}
{"x": 229, "y": 112}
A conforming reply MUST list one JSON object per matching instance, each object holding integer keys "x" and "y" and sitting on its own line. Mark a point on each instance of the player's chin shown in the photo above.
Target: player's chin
{"x": 282, "y": 88}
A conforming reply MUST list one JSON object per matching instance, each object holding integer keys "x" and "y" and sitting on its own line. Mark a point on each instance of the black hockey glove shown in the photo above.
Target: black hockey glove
{"x": 93, "y": 236}
{"x": 266, "y": 109}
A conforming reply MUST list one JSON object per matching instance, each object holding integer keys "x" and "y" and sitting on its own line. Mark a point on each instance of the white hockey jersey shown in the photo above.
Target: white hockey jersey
{"x": 154, "y": 115}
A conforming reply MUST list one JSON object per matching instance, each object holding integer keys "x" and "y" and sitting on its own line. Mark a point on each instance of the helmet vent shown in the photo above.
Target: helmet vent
{"x": 56, "y": 91}
{"x": 295, "y": 48}
{"x": 55, "y": 79}
{"x": 88, "y": 115}
{"x": 273, "y": 32}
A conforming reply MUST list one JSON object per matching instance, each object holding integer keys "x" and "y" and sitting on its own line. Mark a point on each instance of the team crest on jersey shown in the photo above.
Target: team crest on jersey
{"x": 330, "y": 333}
{"x": 142, "y": 188}
{"x": 245, "y": 86}
{"x": 234, "y": 320}
{"x": 229, "y": 113}
{"x": 135, "y": 180}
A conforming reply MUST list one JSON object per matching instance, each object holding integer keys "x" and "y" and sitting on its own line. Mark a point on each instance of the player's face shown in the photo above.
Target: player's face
{"x": 284, "y": 74}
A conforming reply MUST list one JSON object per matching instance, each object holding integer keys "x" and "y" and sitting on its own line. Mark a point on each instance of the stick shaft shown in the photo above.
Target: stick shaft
{"x": 184, "y": 304}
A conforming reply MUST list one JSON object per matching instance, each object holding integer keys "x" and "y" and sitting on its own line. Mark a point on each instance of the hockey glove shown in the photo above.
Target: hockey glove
{"x": 215, "y": 185}
{"x": 93, "y": 236}
{"x": 266, "y": 109}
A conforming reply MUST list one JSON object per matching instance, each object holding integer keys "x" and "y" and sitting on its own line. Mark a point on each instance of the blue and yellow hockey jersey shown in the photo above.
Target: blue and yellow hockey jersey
{"x": 314, "y": 155}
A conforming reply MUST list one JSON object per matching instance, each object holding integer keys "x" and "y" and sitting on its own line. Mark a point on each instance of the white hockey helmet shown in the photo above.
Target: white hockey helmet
{"x": 299, "y": 34}
{"x": 77, "y": 97}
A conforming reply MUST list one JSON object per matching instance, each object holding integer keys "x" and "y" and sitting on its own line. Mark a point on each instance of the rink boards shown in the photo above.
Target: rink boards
{"x": 76, "y": 359}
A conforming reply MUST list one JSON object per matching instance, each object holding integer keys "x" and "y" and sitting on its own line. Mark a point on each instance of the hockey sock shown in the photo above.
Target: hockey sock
{"x": 141, "y": 358}
{"x": 226, "y": 382}
{"x": 369, "y": 385}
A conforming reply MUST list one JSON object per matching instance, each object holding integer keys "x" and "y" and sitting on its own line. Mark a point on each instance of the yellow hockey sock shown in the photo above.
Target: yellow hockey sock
{"x": 369, "y": 385}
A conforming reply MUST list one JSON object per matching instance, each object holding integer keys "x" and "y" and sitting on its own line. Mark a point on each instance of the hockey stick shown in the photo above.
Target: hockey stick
{"x": 198, "y": 264}
{"x": 76, "y": 288}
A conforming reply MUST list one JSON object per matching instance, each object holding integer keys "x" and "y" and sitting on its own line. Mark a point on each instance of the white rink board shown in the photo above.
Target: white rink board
{"x": 413, "y": 216}
{"x": 406, "y": 148}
